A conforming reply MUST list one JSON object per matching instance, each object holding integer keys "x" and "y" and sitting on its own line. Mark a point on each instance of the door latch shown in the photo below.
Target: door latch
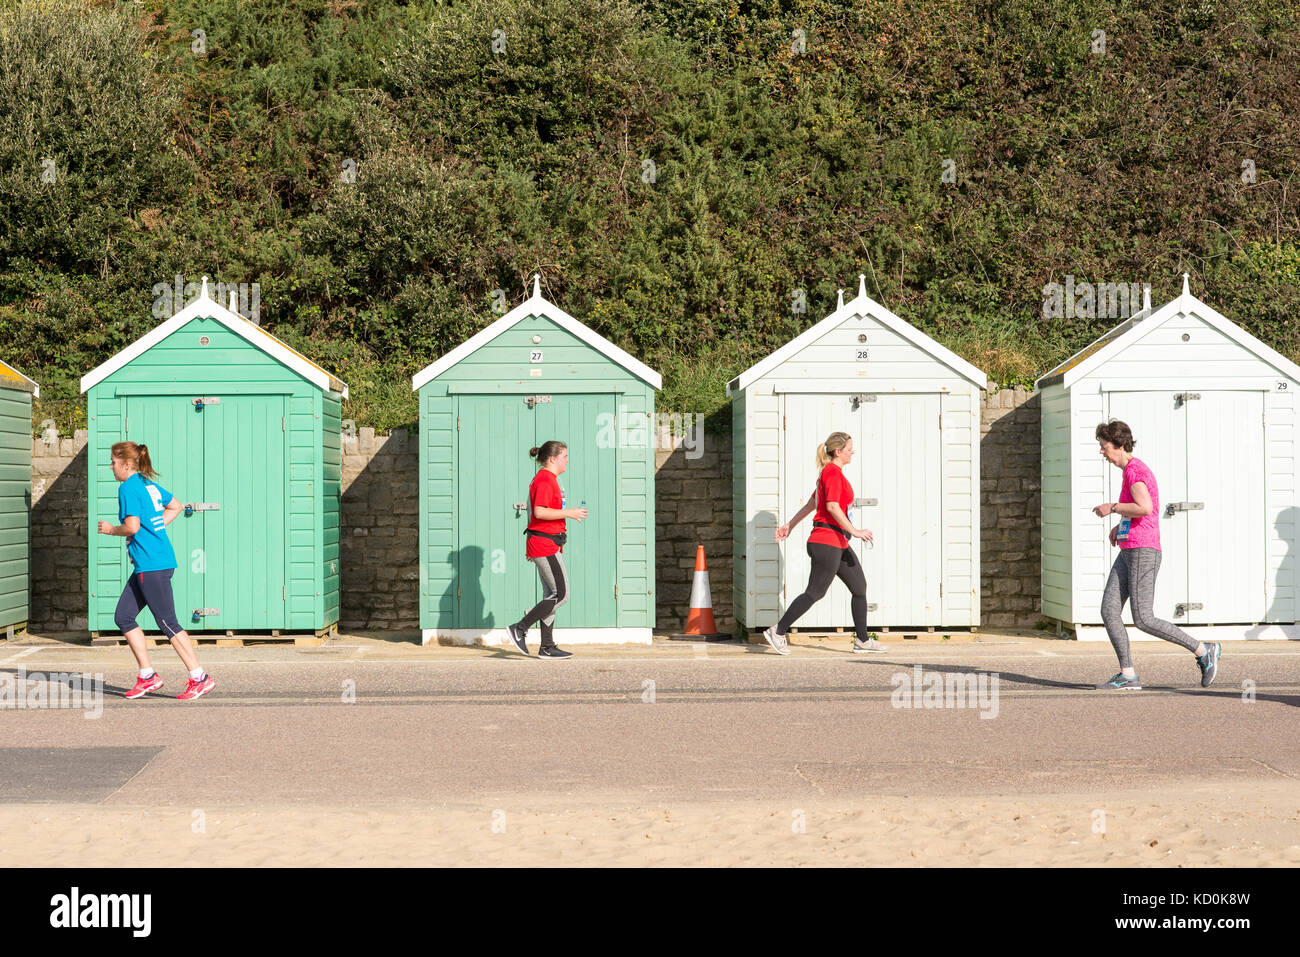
{"x": 1182, "y": 507}
{"x": 865, "y": 502}
{"x": 533, "y": 400}
{"x": 1182, "y": 607}
{"x": 1181, "y": 397}
{"x": 203, "y": 400}
{"x": 192, "y": 507}
{"x": 519, "y": 507}
{"x": 203, "y": 612}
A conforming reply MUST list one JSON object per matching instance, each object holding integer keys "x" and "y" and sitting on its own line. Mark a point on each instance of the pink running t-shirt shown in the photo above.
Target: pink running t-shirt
{"x": 1143, "y": 531}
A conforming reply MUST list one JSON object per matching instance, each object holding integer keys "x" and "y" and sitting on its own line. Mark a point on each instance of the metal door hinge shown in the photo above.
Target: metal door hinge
{"x": 1182, "y": 607}
{"x": 1183, "y": 507}
{"x": 616, "y": 591}
{"x": 940, "y": 421}
{"x": 783, "y": 423}
{"x": 1181, "y": 397}
{"x": 281, "y": 423}
{"x": 457, "y": 423}
{"x": 940, "y": 589}
{"x": 458, "y": 593}
{"x": 127, "y": 427}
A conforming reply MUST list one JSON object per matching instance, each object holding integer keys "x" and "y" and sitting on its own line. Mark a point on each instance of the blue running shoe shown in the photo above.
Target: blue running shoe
{"x": 1121, "y": 682}
{"x": 1209, "y": 662}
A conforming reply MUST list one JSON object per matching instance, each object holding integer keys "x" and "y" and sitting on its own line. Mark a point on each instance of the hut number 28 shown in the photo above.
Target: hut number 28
{"x": 861, "y": 353}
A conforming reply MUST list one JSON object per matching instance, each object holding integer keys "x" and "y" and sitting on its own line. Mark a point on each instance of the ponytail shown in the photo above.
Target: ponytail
{"x": 137, "y": 456}
{"x": 834, "y": 442}
{"x": 546, "y": 451}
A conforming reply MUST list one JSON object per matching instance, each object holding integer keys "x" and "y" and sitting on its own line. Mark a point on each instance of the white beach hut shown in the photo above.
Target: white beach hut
{"x": 913, "y": 410}
{"x": 1212, "y": 411}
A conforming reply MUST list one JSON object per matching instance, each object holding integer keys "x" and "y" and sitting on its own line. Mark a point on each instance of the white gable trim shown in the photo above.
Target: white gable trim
{"x": 863, "y": 305}
{"x": 535, "y": 306}
{"x": 1184, "y": 304}
{"x": 7, "y": 371}
{"x": 205, "y": 306}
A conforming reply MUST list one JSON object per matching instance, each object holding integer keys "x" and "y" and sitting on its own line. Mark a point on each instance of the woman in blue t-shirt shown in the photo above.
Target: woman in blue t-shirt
{"x": 145, "y": 509}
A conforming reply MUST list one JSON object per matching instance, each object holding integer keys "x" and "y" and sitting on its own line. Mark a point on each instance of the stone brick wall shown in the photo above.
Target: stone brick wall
{"x": 1010, "y": 467}
{"x": 692, "y": 507}
{"x": 59, "y": 534}
{"x": 379, "y": 535}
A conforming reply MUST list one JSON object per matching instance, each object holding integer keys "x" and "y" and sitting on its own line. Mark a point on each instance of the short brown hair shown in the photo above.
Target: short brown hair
{"x": 1117, "y": 433}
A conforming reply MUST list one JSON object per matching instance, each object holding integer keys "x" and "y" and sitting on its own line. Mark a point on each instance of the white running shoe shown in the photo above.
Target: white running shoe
{"x": 778, "y": 642}
{"x": 868, "y": 646}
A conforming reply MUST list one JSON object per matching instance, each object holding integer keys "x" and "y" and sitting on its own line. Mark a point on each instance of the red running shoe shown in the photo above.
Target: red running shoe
{"x": 145, "y": 685}
{"x": 195, "y": 689}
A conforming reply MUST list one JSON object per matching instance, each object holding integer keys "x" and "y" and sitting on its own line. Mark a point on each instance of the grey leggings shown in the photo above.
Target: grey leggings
{"x": 1133, "y": 579}
{"x": 555, "y": 585}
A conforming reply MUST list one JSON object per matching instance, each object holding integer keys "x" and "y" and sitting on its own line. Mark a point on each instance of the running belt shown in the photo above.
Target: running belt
{"x": 559, "y": 539}
{"x": 833, "y": 528}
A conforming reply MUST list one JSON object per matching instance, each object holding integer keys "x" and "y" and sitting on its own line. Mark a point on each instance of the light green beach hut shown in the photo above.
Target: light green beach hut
{"x": 535, "y": 374}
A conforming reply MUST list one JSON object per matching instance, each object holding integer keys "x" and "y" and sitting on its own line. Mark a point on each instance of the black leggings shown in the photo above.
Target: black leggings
{"x": 829, "y": 561}
{"x": 153, "y": 589}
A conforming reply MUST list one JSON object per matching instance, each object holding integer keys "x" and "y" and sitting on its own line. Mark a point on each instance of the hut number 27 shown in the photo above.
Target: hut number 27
{"x": 535, "y": 355}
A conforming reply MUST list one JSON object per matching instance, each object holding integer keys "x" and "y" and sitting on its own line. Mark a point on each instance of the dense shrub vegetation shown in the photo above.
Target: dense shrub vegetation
{"x": 494, "y": 138}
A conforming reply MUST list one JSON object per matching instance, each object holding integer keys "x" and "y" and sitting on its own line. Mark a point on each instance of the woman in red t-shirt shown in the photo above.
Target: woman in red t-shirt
{"x": 545, "y": 542}
{"x": 828, "y": 546}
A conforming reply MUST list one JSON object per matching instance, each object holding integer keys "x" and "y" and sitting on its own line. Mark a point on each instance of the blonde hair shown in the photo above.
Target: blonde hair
{"x": 834, "y": 442}
{"x": 137, "y": 456}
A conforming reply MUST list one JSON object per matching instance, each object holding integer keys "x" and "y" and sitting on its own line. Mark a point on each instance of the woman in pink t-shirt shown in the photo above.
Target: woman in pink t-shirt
{"x": 1133, "y": 576}
{"x": 828, "y": 546}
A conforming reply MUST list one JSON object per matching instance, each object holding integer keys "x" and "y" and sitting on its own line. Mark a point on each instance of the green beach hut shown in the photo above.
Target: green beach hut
{"x": 246, "y": 433}
{"x": 535, "y": 374}
{"x": 16, "y": 391}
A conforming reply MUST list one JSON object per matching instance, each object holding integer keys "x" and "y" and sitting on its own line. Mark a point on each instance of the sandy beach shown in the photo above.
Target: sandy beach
{"x": 1209, "y": 826}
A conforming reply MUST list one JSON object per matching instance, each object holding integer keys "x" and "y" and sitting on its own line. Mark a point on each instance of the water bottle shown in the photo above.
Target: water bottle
{"x": 1122, "y": 534}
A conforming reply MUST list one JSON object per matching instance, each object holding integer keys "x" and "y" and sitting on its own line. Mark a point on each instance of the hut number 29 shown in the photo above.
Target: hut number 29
{"x": 534, "y": 355}
{"x": 1281, "y": 387}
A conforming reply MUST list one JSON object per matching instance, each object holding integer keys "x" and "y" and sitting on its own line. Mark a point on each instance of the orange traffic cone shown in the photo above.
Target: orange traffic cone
{"x": 699, "y": 621}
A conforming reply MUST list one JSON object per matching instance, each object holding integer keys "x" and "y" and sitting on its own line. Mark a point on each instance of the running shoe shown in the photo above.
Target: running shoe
{"x": 196, "y": 689}
{"x": 145, "y": 685}
{"x": 861, "y": 647}
{"x": 778, "y": 642}
{"x": 553, "y": 652}
{"x": 519, "y": 637}
{"x": 1209, "y": 662}
{"x": 1121, "y": 682}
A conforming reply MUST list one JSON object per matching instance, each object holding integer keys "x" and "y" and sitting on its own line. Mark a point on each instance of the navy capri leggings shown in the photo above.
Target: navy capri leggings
{"x": 148, "y": 588}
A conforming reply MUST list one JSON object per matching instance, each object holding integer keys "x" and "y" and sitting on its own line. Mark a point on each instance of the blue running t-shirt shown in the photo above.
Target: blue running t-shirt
{"x": 149, "y": 548}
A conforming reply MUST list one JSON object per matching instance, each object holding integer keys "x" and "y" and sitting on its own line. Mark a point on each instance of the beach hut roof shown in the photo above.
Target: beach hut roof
{"x": 861, "y": 305}
{"x": 536, "y": 305}
{"x": 206, "y": 307}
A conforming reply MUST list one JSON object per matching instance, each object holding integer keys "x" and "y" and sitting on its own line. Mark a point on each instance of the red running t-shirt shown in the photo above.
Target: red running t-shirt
{"x": 832, "y": 486}
{"x": 544, "y": 491}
